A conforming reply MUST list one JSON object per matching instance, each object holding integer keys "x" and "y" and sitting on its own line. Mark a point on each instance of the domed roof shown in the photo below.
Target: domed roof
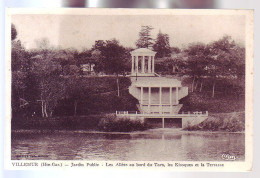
{"x": 143, "y": 51}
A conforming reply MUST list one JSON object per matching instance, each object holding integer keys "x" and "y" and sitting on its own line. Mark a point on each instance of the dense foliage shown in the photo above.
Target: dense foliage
{"x": 162, "y": 45}
{"x": 111, "y": 123}
{"x": 229, "y": 122}
{"x": 145, "y": 40}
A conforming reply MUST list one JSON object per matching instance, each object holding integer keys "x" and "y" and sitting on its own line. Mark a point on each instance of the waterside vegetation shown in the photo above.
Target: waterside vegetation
{"x": 227, "y": 122}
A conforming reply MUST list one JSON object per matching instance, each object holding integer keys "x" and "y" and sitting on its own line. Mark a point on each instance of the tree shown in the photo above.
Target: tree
{"x": 20, "y": 67}
{"x": 176, "y": 64}
{"x": 99, "y": 44}
{"x": 23, "y": 83}
{"x": 64, "y": 57}
{"x": 222, "y": 61}
{"x": 162, "y": 45}
{"x": 198, "y": 57}
{"x": 239, "y": 61}
{"x": 127, "y": 56}
{"x": 76, "y": 91}
{"x": 94, "y": 56}
{"x": 13, "y": 32}
{"x": 145, "y": 40}
{"x": 99, "y": 58}
{"x": 47, "y": 71}
{"x": 113, "y": 59}
{"x": 19, "y": 57}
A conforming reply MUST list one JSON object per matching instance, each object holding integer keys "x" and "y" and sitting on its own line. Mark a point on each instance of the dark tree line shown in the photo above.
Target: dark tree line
{"x": 46, "y": 75}
{"x": 220, "y": 60}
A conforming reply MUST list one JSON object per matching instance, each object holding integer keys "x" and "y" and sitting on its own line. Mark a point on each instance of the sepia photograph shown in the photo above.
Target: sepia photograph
{"x": 131, "y": 85}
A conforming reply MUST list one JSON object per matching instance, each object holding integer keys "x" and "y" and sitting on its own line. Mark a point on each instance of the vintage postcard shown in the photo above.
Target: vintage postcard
{"x": 129, "y": 88}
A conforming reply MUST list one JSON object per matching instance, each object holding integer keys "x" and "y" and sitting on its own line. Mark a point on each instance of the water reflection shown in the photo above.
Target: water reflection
{"x": 145, "y": 147}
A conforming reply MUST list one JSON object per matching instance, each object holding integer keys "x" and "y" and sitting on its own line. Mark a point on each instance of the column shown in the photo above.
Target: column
{"x": 143, "y": 62}
{"x": 152, "y": 64}
{"x": 142, "y": 90}
{"x": 136, "y": 64}
{"x": 177, "y": 96}
{"x": 149, "y": 64}
{"x": 160, "y": 102}
{"x": 171, "y": 100}
{"x": 149, "y": 99}
{"x": 163, "y": 122}
{"x": 133, "y": 63}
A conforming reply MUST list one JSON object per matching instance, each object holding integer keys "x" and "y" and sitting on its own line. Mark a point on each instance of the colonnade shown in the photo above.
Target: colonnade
{"x": 160, "y": 104}
{"x": 135, "y": 64}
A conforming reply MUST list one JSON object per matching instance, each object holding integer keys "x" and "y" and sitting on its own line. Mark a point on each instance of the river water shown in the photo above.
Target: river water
{"x": 175, "y": 146}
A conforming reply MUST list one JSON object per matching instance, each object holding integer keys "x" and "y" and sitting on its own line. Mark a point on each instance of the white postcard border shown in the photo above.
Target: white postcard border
{"x": 228, "y": 165}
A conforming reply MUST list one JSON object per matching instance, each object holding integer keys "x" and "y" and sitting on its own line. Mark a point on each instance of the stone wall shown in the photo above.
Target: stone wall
{"x": 135, "y": 91}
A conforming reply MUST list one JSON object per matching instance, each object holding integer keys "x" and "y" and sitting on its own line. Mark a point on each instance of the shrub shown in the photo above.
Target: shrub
{"x": 230, "y": 122}
{"x": 111, "y": 123}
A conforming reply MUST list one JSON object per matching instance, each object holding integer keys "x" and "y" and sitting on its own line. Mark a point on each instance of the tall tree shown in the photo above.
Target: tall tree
{"x": 239, "y": 52}
{"x": 47, "y": 71}
{"x": 13, "y": 32}
{"x": 113, "y": 59}
{"x": 19, "y": 68}
{"x": 222, "y": 60}
{"x": 162, "y": 45}
{"x": 76, "y": 91}
{"x": 145, "y": 40}
{"x": 198, "y": 57}
{"x": 23, "y": 84}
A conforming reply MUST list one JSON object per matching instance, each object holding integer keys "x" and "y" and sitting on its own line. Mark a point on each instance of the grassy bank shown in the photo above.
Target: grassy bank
{"x": 101, "y": 96}
{"x": 229, "y": 122}
{"x": 226, "y": 109}
{"x": 101, "y": 122}
{"x": 96, "y": 95}
{"x": 229, "y": 96}
{"x": 89, "y": 122}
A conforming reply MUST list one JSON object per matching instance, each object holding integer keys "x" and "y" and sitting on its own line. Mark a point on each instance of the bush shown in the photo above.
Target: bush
{"x": 111, "y": 123}
{"x": 229, "y": 122}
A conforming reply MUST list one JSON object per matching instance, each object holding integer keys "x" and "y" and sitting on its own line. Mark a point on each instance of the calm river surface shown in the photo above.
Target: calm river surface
{"x": 177, "y": 146}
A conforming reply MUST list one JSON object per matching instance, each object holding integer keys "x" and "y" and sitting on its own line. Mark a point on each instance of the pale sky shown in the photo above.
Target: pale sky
{"x": 81, "y": 31}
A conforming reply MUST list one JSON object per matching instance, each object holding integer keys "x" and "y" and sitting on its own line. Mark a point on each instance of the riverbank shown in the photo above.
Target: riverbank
{"x": 218, "y": 122}
{"x": 100, "y": 122}
{"x": 160, "y": 131}
{"x": 225, "y": 122}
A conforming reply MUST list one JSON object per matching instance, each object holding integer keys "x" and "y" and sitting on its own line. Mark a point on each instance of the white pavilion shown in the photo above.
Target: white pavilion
{"x": 143, "y": 62}
{"x": 156, "y": 95}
